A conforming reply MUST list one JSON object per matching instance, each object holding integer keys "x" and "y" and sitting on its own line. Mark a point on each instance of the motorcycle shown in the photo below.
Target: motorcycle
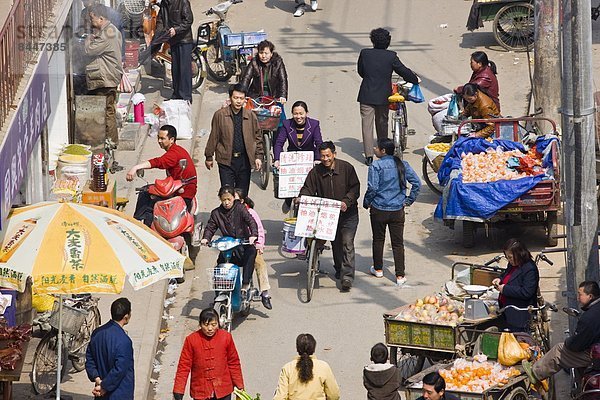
{"x": 171, "y": 218}
{"x": 226, "y": 280}
{"x": 163, "y": 56}
{"x": 585, "y": 383}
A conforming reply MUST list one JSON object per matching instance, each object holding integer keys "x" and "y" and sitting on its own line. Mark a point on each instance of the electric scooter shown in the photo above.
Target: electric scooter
{"x": 226, "y": 280}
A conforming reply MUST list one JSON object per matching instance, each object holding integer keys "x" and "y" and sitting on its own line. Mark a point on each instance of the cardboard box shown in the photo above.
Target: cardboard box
{"x": 105, "y": 199}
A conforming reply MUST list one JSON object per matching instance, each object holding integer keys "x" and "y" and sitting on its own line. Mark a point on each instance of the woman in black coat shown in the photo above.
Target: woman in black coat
{"x": 266, "y": 74}
{"x": 518, "y": 285}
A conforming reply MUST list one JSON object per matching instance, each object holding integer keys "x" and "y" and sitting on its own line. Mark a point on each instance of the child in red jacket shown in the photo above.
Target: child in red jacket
{"x": 211, "y": 356}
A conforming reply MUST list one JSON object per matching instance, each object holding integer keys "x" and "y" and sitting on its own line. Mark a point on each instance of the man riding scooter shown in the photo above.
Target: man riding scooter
{"x": 170, "y": 161}
{"x": 574, "y": 352}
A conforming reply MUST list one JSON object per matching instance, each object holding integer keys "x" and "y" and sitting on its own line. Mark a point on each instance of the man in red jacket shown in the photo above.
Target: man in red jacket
{"x": 211, "y": 357}
{"x": 167, "y": 136}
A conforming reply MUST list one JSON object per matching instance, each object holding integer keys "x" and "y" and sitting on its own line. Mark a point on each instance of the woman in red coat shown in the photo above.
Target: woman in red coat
{"x": 211, "y": 356}
{"x": 484, "y": 76}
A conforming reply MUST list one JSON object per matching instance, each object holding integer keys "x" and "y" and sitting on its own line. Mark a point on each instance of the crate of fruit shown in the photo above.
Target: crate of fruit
{"x": 434, "y": 323}
{"x": 473, "y": 379}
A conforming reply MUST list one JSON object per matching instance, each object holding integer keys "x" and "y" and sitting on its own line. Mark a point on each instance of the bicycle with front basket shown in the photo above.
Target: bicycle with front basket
{"x": 80, "y": 317}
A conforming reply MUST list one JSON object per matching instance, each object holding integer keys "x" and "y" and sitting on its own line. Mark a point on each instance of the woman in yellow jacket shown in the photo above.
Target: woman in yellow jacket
{"x": 306, "y": 378}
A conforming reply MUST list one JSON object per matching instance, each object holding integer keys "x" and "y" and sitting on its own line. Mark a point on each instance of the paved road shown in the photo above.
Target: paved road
{"x": 320, "y": 51}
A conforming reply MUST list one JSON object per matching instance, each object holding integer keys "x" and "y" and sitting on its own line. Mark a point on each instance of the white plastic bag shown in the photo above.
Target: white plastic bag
{"x": 179, "y": 114}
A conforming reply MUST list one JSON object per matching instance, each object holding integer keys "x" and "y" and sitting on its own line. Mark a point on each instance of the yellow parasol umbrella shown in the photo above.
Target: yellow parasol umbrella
{"x": 70, "y": 248}
{"x": 77, "y": 248}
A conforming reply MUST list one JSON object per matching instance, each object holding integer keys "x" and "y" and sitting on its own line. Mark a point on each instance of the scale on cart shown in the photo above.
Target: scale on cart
{"x": 475, "y": 308}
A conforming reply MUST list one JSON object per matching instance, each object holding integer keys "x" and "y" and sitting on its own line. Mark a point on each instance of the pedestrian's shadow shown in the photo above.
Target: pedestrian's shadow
{"x": 151, "y": 84}
{"x": 352, "y": 147}
{"x": 283, "y": 5}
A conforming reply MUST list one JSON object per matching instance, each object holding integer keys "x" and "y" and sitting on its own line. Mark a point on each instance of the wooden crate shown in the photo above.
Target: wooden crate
{"x": 419, "y": 334}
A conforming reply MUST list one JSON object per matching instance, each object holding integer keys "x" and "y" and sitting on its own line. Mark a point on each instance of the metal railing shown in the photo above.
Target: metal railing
{"x": 20, "y": 37}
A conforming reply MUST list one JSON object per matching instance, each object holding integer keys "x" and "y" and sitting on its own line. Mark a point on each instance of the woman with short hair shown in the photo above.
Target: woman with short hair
{"x": 518, "y": 285}
{"x": 266, "y": 74}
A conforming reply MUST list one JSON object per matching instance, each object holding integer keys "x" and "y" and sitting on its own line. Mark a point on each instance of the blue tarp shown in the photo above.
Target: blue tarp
{"x": 480, "y": 201}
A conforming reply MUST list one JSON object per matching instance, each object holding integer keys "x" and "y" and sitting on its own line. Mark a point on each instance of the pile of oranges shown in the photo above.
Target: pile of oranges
{"x": 476, "y": 377}
{"x": 489, "y": 166}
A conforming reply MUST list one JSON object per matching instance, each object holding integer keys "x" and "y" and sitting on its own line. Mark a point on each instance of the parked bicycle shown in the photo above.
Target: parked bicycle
{"x": 163, "y": 56}
{"x": 227, "y": 53}
{"x": 80, "y": 317}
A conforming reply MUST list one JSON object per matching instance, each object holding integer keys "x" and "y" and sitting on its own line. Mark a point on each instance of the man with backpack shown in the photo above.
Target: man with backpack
{"x": 386, "y": 198}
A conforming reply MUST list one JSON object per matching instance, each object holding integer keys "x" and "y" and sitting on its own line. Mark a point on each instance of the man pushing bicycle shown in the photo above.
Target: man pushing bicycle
{"x": 337, "y": 180}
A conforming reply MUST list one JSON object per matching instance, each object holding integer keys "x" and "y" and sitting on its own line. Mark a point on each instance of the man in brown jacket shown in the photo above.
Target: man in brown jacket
{"x": 103, "y": 73}
{"x": 236, "y": 141}
{"x": 336, "y": 179}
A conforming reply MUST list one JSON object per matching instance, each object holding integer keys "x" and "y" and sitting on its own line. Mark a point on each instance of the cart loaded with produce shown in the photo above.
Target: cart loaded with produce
{"x": 513, "y": 177}
{"x": 494, "y": 374}
{"x": 446, "y": 324}
{"x": 456, "y": 331}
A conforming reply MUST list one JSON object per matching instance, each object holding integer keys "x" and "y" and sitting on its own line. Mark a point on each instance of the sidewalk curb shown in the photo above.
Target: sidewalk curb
{"x": 148, "y": 343}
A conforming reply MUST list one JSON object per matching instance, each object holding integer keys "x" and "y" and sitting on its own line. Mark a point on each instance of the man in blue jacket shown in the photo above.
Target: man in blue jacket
{"x": 574, "y": 351}
{"x": 109, "y": 356}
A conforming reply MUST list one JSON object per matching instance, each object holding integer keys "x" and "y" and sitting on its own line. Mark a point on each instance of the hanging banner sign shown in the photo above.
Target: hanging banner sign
{"x": 22, "y": 135}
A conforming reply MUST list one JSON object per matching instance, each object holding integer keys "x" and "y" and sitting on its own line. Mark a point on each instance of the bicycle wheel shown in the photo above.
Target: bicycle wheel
{"x": 408, "y": 364}
{"x": 313, "y": 267}
{"x": 399, "y": 130}
{"x": 404, "y": 128}
{"x": 215, "y": 63}
{"x": 198, "y": 69}
{"x": 514, "y": 27}
{"x": 80, "y": 342}
{"x": 265, "y": 169}
{"x": 222, "y": 309}
{"x": 430, "y": 176}
{"x": 45, "y": 363}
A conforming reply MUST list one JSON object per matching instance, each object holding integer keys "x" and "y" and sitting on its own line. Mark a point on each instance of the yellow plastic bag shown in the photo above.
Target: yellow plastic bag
{"x": 42, "y": 302}
{"x": 510, "y": 351}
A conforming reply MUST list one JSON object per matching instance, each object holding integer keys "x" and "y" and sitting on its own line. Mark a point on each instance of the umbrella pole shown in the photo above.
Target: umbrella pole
{"x": 60, "y": 304}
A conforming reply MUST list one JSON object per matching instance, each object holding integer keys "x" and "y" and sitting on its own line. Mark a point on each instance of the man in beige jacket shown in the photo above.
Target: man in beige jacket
{"x": 104, "y": 72}
{"x": 236, "y": 141}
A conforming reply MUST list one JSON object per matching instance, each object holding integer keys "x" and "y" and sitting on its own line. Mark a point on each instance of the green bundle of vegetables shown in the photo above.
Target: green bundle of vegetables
{"x": 242, "y": 395}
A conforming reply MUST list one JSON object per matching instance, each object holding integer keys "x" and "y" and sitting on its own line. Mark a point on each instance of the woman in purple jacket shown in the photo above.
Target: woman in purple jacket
{"x": 301, "y": 133}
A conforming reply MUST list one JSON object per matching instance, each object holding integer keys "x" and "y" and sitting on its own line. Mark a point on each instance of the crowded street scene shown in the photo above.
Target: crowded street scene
{"x": 299, "y": 200}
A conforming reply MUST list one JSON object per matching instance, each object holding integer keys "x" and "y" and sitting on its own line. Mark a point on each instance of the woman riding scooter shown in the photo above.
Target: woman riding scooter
{"x": 233, "y": 220}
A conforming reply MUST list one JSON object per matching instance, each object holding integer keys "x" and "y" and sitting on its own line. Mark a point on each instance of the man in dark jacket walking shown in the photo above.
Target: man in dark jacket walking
{"x": 375, "y": 67}
{"x": 336, "y": 179}
{"x": 381, "y": 379}
{"x": 574, "y": 351}
{"x": 109, "y": 356}
{"x": 175, "y": 17}
{"x": 235, "y": 141}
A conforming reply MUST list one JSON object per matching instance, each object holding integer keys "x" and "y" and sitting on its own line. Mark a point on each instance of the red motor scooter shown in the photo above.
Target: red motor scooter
{"x": 171, "y": 218}
{"x": 585, "y": 382}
